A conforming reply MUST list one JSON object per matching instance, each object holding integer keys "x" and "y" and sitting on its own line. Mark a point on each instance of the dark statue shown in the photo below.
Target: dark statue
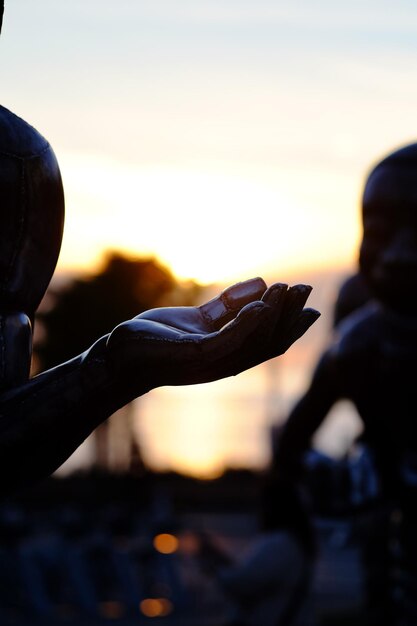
{"x": 353, "y": 293}
{"x": 373, "y": 358}
{"x": 44, "y": 419}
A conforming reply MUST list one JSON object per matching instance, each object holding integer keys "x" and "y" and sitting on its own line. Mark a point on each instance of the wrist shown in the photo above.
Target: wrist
{"x": 110, "y": 376}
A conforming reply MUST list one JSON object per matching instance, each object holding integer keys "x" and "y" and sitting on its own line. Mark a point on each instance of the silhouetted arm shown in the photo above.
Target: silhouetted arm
{"x": 43, "y": 421}
{"x": 307, "y": 415}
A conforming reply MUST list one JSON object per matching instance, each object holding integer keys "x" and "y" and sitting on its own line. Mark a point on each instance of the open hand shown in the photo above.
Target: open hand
{"x": 245, "y": 325}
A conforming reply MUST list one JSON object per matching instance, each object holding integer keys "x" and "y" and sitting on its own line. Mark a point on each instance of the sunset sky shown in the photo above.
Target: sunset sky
{"x": 229, "y": 138}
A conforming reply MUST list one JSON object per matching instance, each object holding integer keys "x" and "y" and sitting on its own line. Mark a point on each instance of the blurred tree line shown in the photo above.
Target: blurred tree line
{"x": 76, "y": 313}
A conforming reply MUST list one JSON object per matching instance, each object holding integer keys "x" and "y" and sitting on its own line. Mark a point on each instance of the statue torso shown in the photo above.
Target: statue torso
{"x": 375, "y": 361}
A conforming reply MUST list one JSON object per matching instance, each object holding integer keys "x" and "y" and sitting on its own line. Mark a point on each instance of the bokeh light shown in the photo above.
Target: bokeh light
{"x": 165, "y": 543}
{"x": 156, "y": 607}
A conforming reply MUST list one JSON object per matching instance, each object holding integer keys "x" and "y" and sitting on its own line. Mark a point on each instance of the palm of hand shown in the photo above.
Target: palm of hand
{"x": 244, "y": 326}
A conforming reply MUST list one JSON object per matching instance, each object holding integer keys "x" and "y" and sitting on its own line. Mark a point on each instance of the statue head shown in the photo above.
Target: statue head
{"x": 388, "y": 253}
{"x": 31, "y": 226}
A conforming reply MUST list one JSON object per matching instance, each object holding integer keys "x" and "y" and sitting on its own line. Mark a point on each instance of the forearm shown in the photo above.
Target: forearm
{"x": 306, "y": 417}
{"x": 295, "y": 439}
{"x": 45, "y": 420}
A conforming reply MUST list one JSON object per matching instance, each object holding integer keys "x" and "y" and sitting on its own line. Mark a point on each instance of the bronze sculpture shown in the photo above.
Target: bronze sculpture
{"x": 44, "y": 419}
{"x": 373, "y": 358}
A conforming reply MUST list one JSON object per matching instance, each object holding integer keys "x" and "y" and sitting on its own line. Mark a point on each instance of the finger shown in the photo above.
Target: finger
{"x": 223, "y": 308}
{"x": 235, "y": 333}
{"x": 244, "y": 322}
{"x": 295, "y": 300}
{"x": 275, "y": 297}
{"x": 254, "y": 317}
{"x": 306, "y": 319}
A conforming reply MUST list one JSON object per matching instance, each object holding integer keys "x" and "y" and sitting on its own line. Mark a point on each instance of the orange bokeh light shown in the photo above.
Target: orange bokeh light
{"x": 165, "y": 543}
{"x": 156, "y": 607}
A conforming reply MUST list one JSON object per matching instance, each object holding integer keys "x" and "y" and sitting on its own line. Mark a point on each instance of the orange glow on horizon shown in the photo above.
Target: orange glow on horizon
{"x": 204, "y": 429}
{"x": 212, "y": 227}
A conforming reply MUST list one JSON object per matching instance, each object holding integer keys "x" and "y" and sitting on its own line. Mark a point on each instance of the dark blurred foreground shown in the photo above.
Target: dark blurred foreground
{"x": 113, "y": 549}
